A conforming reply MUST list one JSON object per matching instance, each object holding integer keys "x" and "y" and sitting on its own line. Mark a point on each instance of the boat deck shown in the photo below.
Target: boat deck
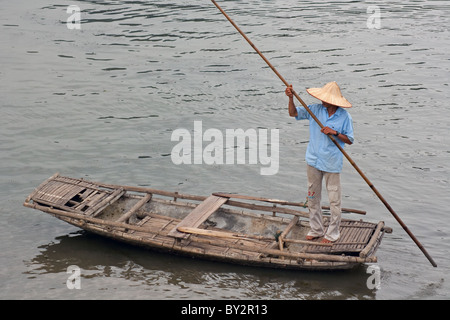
{"x": 355, "y": 235}
{"x": 75, "y": 195}
{"x": 160, "y": 226}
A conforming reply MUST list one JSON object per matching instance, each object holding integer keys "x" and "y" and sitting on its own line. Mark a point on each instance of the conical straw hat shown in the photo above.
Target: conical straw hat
{"x": 330, "y": 93}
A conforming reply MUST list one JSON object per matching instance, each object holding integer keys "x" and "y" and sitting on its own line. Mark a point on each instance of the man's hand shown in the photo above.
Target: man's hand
{"x": 291, "y": 106}
{"x": 328, "y": 131}
{"x": 288, "y": 91}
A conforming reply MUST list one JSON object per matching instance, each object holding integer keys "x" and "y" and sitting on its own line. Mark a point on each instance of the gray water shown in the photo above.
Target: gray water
{"x": 101, "y": 103}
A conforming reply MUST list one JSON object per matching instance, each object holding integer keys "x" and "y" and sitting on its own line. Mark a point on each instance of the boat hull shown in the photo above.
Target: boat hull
{"x": 214, "y": 228}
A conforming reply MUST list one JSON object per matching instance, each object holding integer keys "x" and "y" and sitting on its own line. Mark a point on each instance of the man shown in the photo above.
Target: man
{"x": 324, "y": 160}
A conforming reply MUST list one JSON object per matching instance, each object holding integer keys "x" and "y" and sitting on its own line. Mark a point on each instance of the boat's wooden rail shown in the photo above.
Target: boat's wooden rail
{"x": 282, "y": 202}
{"x": 80, "y": 195}
{"x": 232, "y": 203}
{"x": 278, "y": 206}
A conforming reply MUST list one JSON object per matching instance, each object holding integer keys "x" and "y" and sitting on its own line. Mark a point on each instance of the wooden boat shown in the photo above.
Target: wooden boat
{"x": 223, "y": 227}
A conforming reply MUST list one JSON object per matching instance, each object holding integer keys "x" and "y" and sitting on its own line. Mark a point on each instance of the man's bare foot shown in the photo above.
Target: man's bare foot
{"x": 326, "y": 241}
{"x": 310, "y": 238}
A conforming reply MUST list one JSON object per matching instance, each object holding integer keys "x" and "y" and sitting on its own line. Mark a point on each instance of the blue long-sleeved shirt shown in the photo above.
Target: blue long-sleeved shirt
{"x": 321, "y": 152}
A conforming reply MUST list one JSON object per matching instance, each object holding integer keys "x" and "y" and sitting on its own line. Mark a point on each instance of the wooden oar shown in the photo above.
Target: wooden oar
{"x": 334, "y": 140}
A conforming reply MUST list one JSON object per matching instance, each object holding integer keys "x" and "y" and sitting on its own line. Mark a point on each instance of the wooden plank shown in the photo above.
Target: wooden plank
{"x": 78, "y": 182}
{"x": 361, "y": 235}
{"x": 68, "y": 192}
{"x": 372, "y": 241}
{"x": 136, "y": 207}
{"x": 239, "y": 236}
{"x": 346, "y": 235}
{"x": 272, "y": 209}
{"x": 56, "y": 193}
{"x": 44, "y": 192}
{"x": 286, "y": 232}
{"x": 95, "y": 199}
{"x": 353, "y": 238}
{"x": 87, "y": 193}
{"x": 90, "y": 198}
{"x": 238, "y": 196}
{"x": 292, "y": 255}
{"x": 97, "y": 208}
{"x": 203, "y": 211}
{"x": 221, "y": 234}
{"x": 153, "y": 191}
{"x": 40, "y": 202}
{"x": 164, "y": 226}
{"x": 41, "y": 185}
{"x": 197, "y": 216}
{"x": 281, "y": 202}
{"x": 85, "y": 204}
{"x": 309, "y": 242}
{"x": 59, "y": 193}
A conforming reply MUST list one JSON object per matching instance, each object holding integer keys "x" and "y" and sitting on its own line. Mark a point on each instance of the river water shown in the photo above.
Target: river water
{"x": 102, "y": 102}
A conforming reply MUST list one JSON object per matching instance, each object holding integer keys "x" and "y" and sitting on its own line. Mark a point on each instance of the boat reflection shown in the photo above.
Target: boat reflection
{"x": 175, "y": 277}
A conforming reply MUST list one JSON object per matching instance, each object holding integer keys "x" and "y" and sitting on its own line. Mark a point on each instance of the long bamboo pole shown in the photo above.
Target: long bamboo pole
{"x": 334, "y": 140}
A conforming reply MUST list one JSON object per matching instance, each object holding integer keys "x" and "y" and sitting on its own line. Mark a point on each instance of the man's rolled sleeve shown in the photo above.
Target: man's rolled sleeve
{"x": 302, "y": 114}
{"x": 348, "y": 128}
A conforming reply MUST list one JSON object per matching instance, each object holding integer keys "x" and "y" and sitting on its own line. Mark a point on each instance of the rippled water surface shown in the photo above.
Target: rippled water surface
{"x": 102, "y": 103}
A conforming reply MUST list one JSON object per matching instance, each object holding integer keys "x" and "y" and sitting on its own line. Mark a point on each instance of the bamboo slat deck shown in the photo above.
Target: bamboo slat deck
{"x": 75, "y": 195}
{"x": 354, "y": 238}
{"x": 213, "y": 227}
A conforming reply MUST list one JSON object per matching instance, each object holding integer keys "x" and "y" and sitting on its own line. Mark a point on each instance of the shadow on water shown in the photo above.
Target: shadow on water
{"x": 99, "y": 257}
